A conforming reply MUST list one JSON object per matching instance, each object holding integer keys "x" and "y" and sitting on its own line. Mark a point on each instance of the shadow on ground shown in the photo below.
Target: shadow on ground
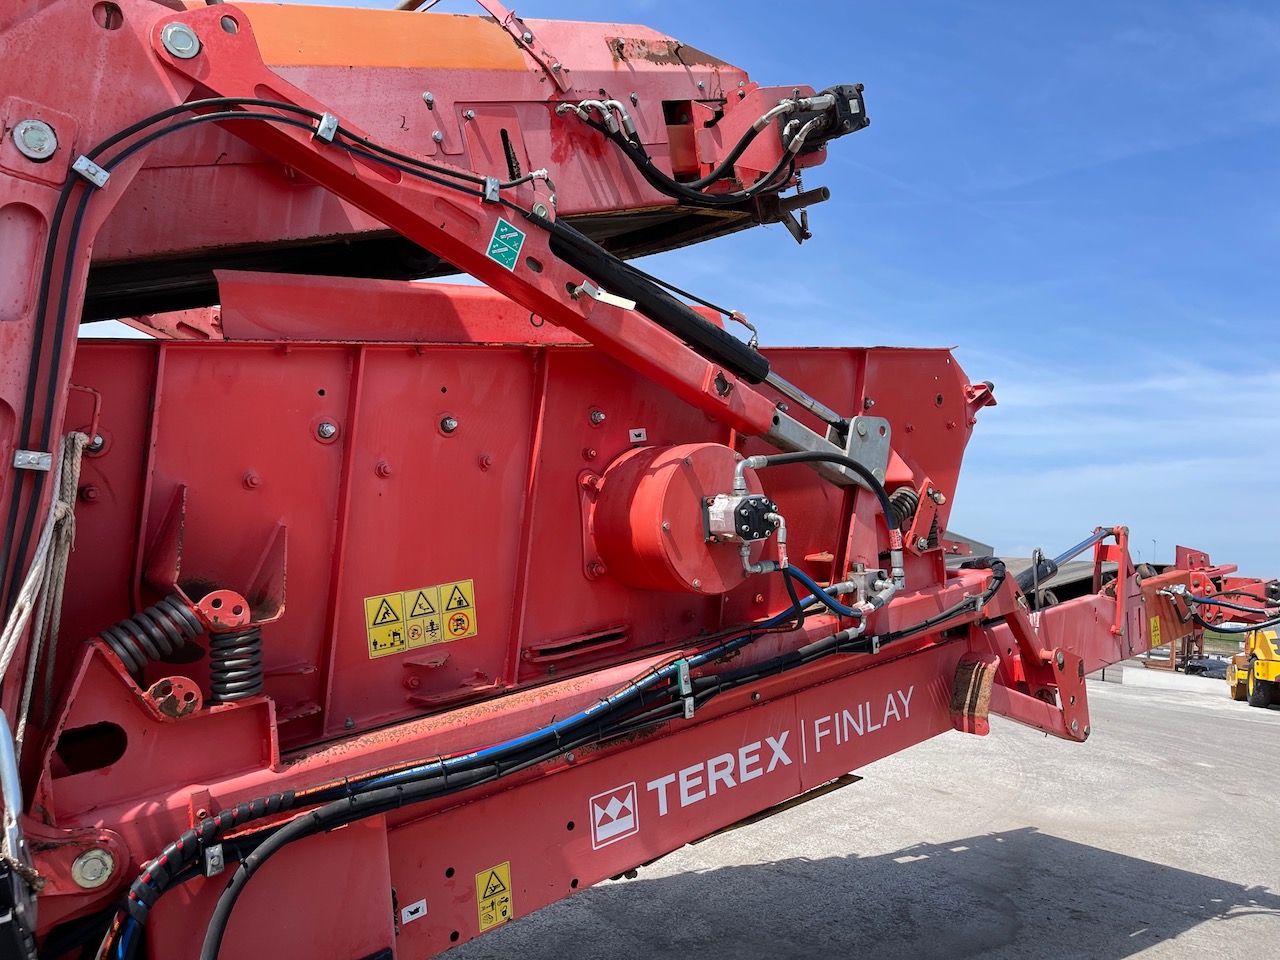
{"x": 1019, "y": 893}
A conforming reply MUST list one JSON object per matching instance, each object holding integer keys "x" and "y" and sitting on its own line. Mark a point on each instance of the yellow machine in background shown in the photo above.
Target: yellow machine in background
{"x": 1254, "y": 674}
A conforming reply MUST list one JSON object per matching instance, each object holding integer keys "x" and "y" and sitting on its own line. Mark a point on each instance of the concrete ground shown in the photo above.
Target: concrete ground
{"x": 1013, "y": 845}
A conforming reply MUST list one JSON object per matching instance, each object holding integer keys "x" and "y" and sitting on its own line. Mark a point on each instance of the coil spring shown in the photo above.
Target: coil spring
{"x": 235, "y": 665}
{"x": 153, "y": 634}
{"x": 904, "y": 501}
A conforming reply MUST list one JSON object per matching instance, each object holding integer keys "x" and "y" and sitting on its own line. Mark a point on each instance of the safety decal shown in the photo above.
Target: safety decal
{"x": 396, "y": 622}
{"x": 1155, "y": 632}
{"x": 414, "y": 911}
{"x": 505, "y": 244}
{"x": 384, "y": 621}
{"x": 493, "y": 896}
{"x": 459, "y": 609}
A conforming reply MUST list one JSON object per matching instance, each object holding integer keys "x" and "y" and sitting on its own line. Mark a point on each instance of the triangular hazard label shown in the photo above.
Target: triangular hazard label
{"x": 494, "y": 885}
{"x": 421, "y": 606}
{"x": 457, "y": 600}
{"x": 386, "y": 614}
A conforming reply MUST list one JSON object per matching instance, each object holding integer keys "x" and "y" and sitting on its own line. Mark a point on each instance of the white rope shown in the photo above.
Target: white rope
{"x": 55, "y": 579}
{"x": 42, "y": 588}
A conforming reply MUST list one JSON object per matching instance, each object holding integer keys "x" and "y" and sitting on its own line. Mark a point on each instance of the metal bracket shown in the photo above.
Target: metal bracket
{"x": 326, "y": 128}
{"x": 869, "y": 442}
{"x": 557, "y": 71}
{"x": 589, "y": 289}
{"x": 90, "y": 171}
{"x": 32, "y": 460}
{"x": 214, "y": 860}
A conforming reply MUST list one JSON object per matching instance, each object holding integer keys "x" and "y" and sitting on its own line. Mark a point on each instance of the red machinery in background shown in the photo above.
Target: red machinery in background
{"x": 432, "y": 604}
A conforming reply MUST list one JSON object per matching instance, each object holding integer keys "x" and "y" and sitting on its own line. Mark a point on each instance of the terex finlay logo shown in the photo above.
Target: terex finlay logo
{"x": 614, "y": 815}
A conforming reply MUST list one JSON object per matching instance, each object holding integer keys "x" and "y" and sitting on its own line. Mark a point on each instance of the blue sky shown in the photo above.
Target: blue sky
{"x": 1081, "y": 197}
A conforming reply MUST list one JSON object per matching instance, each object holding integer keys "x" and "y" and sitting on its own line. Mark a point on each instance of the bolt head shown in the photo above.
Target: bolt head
{"x": 922, "y": 544}
{"x": 382, "y": 469}
{"x": 527, "y": 37}
{"x": 327, "y": 430}
{"x": 96, "y": 444}
{"x": 93, "y": 868}
{"x": 252, "y": 481}
{"x": 448, "y": 425}
{"x": 35, "y": 140}
{"x": 597, "y": 417}
{"x": 90, "y": 493}
{"x": 180, "y": 40}
{"x": 697, "y": 584}
{"x": 349, "y": 724}
{"x": 438, "y": 137}
{"x": 862, "y": 429}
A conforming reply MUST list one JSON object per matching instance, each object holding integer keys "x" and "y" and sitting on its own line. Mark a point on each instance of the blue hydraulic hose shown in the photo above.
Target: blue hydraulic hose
{"x": 820, "y": 594}
{"x": 639, "y": 685}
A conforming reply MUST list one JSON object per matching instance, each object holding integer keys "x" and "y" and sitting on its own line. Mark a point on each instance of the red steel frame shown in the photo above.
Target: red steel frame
{"x": 746, "y": 751}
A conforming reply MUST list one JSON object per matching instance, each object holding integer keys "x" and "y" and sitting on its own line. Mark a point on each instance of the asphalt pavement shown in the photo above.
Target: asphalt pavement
{"x": 1158, "y": 837}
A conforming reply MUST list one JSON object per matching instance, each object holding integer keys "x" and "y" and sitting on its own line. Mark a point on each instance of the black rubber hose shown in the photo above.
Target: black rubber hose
{"x": 818, "y": 456}
{"x": 713, "y": 342}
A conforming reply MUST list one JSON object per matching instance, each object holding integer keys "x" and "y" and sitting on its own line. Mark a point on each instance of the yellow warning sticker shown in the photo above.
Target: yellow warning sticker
{"x": 422, "y": 607}
{"x": 459, "y": 600}
{"x": 1155, "y": 632}
{"x": 384, "y": 619}
{"x": 493, "y": 896}
{"x": 396, "y": 622}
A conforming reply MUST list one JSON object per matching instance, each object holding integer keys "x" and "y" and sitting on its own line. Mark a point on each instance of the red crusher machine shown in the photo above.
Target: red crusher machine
{"x": 357, "y": 617}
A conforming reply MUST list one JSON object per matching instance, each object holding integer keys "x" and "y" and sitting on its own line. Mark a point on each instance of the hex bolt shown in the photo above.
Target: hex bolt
{"x": 349, "y": 724}
{"x": 666, "y": 524}
{"x": 862, "y": 429}
{"x": 180, "y": 40}
{"x": 1075, "y": 726}
{"x": 922, "y": 544}
{"x": 35, "y": 140}
{"x": 527, "y": 37}
{"x": 485, "y": 461}
{"x": 635, "y": 98}
{"x": 89, "y": 493}
{"x": 438, "y": 137}
{"x": 412, "y": 683}
{"x": 327, "y": 430}
{"x": 251, "y": 481}
{"x": 1060, "y": 660}
{"x": 597, "y": 417}
{"x": 93, "y": 868}
{"x": 96, "y": 444}
{"x": 429, "y": 99}
{"x": 596, "y": 569}
{"x": 469, "y": 115}
{"x": 569, "y": 756}
{"x": 697, "y": 584}
{"x": 556, "y": 67}
{"x": 382, "y": 469}
{"x": 589, "y": 453}
{"x": 448, "y": 425}
{"x": 868, "y": 403}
